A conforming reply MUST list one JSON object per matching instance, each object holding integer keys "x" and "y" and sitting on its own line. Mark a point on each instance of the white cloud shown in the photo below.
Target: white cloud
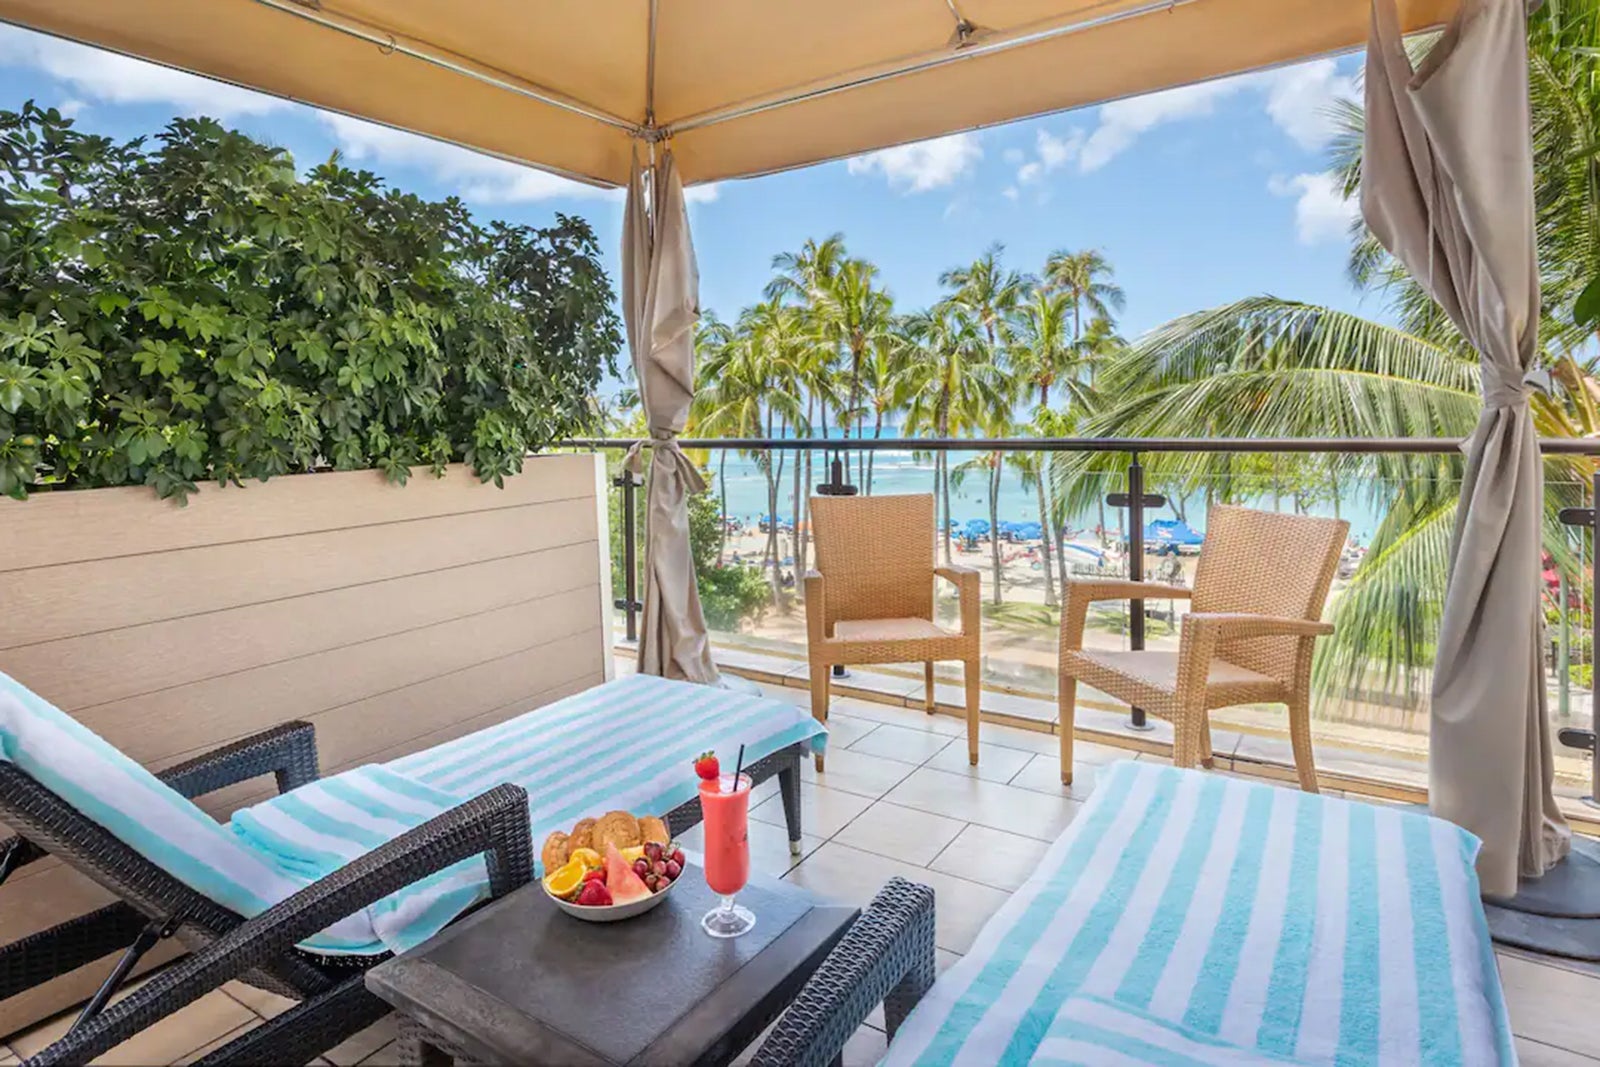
{"x": 1122, "y": 121}
{"x": 925, "y": 165}
{"x": 1300, "y": 100}
{"x": 1010, "y": 192}
{"x": 115, "y": 79}
{"x": 1321, "y": 212}
{"x": 1014, "y": 156}
{"x": 1053, "y": 153}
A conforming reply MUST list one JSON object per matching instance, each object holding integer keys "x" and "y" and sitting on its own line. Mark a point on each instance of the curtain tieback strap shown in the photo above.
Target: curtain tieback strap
{"x": 665, "y": 446}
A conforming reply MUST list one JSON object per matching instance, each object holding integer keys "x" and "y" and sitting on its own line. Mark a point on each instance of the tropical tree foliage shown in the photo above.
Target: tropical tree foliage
{"x": 189, "y": 307}
{"x": 1271, "y": 367}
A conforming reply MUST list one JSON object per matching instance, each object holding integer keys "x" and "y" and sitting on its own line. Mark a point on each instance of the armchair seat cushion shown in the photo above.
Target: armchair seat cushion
{"x": 1151, "y": 678}
{"x": 890, "y": 630}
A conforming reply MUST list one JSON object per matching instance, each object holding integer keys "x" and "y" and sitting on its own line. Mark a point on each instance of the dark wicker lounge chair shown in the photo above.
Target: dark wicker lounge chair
{"x": 333, "y": 1002}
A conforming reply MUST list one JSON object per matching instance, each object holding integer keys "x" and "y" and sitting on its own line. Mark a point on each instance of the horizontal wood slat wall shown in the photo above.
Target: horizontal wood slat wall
{"x": 392, "y": 618}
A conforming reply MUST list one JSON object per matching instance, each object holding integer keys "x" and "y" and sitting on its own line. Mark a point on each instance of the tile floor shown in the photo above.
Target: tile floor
{"x": 898, "y": 798}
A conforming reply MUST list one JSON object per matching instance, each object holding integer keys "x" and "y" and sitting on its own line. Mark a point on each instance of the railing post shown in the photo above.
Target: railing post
{"x": 1135, "y": 500}
{"x": 838, "y": 484}
{"x": 629, "y": 601}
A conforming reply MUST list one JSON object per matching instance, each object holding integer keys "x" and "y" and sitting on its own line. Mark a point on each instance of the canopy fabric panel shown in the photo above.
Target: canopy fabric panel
{"x": 566, "y": 85}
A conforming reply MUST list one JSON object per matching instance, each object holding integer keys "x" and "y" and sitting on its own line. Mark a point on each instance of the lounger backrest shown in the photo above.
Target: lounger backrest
{"x": 132, "y": 804}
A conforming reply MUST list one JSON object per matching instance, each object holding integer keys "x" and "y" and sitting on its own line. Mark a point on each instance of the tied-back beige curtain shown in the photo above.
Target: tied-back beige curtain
{"x": 660, "y": 304}
{"x": 1447, "y": 186}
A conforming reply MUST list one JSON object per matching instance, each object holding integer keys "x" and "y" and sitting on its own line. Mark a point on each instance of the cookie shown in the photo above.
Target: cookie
{"x": 556, "y": 850}
{"x": 654, "y": 829}
{"x": 582, "y": 835}
{"x": 616, "y": 828}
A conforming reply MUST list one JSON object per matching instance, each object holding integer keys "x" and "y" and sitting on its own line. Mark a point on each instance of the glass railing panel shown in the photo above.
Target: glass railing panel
{"x": 1567, "y": 588}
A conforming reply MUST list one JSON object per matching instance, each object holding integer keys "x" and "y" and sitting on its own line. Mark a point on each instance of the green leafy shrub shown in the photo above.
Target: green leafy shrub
{"x": 191, "y": 308}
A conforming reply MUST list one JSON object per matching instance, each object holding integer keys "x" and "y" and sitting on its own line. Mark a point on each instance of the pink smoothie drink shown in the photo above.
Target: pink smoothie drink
{"x": 726, "y": 810}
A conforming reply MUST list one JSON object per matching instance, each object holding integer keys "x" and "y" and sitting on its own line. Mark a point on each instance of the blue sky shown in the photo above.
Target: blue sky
{"x": 1197, "y": 196}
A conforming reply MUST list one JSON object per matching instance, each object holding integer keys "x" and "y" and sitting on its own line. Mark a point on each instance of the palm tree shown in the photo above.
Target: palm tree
{"x": 886, "y": 378}
{"x": 951, "y": 383}
{"x": 988, "y": 292}
{"x": 1085, "y": 278}
{"x": 1041, "y": 352}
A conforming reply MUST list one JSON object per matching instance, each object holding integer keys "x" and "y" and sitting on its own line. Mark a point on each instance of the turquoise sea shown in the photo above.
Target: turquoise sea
{"x": 908, "y": 472}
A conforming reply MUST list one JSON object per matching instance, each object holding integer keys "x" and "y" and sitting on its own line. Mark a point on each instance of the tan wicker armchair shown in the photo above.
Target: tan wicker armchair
{"x": 870, "y": 600}
{"x": 1256, "y": 612}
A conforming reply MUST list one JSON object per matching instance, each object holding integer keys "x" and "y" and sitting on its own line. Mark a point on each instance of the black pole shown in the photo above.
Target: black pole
{"x": 1136, "y": 720}
{"x": 629, "y": 601}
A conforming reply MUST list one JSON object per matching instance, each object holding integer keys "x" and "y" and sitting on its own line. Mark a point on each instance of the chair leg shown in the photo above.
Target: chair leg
{"x": 1305, "y": 763}
{"x": 1185, "y": 742}
{"x": 927, "y": 677}
{"x": 970, "y": 675}
{"x": 1208, "y": 757}
{"x": 1066, "y": 707}
{"x": 820, "y": 673}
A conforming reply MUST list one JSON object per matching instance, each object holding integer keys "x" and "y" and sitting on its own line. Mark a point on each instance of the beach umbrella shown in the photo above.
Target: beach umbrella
{"x": 976, "y": 527}
{"x": 1447, "y": 187}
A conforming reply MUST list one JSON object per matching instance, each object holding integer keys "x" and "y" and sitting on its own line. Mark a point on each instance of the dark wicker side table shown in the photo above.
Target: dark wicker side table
{"x": 519, "y": 982}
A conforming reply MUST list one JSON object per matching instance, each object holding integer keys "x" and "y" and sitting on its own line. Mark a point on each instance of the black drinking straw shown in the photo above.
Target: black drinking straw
{"x": 737, "y": 767}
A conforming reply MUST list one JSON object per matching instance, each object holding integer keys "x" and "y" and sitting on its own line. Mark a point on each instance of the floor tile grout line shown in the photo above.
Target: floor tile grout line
{"x": 1551, "y": 1044}
{"x": 964, "y": 828}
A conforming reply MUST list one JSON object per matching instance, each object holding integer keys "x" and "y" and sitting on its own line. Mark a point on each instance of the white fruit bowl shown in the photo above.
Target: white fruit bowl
{"x": 610, "y": 913}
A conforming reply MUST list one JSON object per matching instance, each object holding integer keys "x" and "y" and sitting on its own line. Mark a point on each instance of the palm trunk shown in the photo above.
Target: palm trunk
{"x": 794, "y": 515}
{"x": 722, "y": 493}
{"x": 877, "y": 434}
{"x": 1044, "y": 526}
{"x": 994, "y": 526}
{"x": 802, "y": 513}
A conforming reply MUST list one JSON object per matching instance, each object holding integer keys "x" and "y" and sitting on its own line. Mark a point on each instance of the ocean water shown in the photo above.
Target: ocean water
{"x": 907, "y": 472}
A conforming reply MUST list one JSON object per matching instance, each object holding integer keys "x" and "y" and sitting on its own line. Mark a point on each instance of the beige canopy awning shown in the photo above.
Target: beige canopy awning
{"x": 742, "y": 87}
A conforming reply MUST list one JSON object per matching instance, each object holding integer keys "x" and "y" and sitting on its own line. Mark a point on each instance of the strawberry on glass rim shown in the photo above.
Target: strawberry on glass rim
{"x": 706, "y": 766}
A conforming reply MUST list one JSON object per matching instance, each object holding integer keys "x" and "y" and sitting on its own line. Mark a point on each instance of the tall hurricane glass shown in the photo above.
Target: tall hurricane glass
{"x": 725, "y": 806}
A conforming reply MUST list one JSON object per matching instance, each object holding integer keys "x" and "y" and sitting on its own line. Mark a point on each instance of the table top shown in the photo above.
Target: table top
{"x": 518, "y": 981}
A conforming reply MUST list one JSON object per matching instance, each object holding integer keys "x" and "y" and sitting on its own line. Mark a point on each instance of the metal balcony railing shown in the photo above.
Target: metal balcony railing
{"x": 1132, "y": 497}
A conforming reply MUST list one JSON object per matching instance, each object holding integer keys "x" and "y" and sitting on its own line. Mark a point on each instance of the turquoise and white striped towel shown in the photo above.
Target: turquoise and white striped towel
{"x": 628, "y": 744}
{"x": 1213, "y": 913}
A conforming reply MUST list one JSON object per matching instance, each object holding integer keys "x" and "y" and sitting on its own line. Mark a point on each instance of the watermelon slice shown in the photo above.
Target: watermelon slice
{"x": 626, "y": 886}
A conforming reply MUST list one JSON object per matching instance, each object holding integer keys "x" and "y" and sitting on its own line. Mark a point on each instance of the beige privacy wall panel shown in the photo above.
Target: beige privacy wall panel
{"x": 392, "y": 618}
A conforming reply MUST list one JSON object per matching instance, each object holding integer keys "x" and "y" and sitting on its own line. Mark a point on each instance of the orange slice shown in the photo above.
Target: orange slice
{"x": 564, "y": 881}
{"x": 590, "y": 859}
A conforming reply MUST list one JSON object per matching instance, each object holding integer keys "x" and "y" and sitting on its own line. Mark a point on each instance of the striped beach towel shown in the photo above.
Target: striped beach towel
{"x": 628, "y": 745}
{"x": 1189, "y": 918}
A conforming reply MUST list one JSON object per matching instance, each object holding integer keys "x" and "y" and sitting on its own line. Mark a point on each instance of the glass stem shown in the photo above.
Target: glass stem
{"x": 727, "y": 905}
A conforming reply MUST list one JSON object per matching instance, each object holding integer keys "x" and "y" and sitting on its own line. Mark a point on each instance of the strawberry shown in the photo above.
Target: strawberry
{"x": 596, "y": 875}
{"x": 705, "y": 765}
{"x": 594, "y": 895}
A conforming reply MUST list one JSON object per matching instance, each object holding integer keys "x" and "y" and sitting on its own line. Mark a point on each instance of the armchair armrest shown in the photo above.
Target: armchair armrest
{"x": 887, "y": 956}
{"x": 1228, "y": 626}
{"x": 816, "y": 607}
{"x": 1077, "y": 596}
{"x": 287, "y": 751}
{"x": 1120, "y": 589}
{"x": 495, "y": 823}
{"x": 966, "y": 581}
